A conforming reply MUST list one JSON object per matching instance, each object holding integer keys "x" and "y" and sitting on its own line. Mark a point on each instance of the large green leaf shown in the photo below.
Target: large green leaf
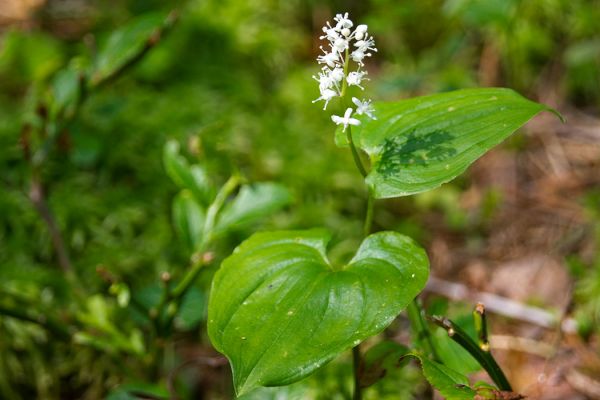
{"x": 418, "y": 144}
{"x": 278, "y": 310}
{"x": 451, "y": 384}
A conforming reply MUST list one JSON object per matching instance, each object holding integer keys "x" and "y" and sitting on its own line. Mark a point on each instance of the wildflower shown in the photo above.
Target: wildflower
{"x": 337, "y": 74}
{"x": 358, "y": 56}
{"x": 325, "y": 80}
{"x": 355, "y": 78}
{"x": 363, "y": 48}
{"x": 360, "y": 32}
{"x": 364, "y": 107}
{"x": 340, "y": 45}
{"x": 327, "y": 95}
{"x": 342, "y": 22}
{"x": 330, "y": 33}
{"x": 346, "y": 47}
{"x": 328, "y": 58}
{"x": 345, "y": 120}
{"x": 365, "y": 45}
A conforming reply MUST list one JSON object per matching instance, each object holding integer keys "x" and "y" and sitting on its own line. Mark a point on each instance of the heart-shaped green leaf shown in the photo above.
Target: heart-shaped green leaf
{"x": 418, "y": 144}
{"x": 278, "y": 310}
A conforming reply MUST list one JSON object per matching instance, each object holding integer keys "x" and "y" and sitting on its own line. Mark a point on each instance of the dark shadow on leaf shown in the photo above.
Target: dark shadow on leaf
{"x": 416, "y": 148}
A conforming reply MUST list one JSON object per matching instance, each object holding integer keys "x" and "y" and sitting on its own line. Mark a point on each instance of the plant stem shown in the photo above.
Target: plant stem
{"x": 356, "y": 358}
{"x": 38, "y": 198}
{"x": 355, "y": 154}
{"x": 481, "y": 326}
{"x": 366, "y": 230}
{"x": 420, "y": 328}
{"x": 356, "y": 363}
{"x": 346, "y": 64}
{"x": 369, "y": 215}
{"x": 209, "y": 224}
{"x": 484, "y": 358}
{"x": 172, "y": 298}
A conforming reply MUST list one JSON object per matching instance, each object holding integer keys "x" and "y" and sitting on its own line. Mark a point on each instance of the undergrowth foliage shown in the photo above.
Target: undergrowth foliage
{"x": 283, "y": 304}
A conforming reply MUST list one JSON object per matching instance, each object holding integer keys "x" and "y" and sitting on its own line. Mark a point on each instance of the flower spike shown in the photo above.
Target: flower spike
{"x": 344, "y": 45}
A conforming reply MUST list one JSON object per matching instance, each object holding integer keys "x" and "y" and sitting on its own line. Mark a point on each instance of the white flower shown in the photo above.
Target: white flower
{"x": 363, "y": 47}
{"x": 354, "y": 78}
{"x": 328, "y": 58}
{"x": 366, "y": 45}
{"x": 342, "y": 21}
{"x": 346, "y": 49}
{"x": 325, "y": 80}
{"x": 345, "y": 120}
{"x": 337, "y": 74}
{"x": 357, "y": 56}
{"x": 330, "y": 33}
{"x": 340, "y": 45}
{"x": 360, "y": 32}
{"x": 327, "y": 95}
{"x": 364, "y": 107}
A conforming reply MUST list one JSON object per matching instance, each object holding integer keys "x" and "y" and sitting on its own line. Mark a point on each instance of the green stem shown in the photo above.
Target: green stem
{"x": 369, "y": 216}
{"x": 346, "y": 64}
{"x": 420, "y": 328}
{"x": 211, "y": 216}
{"x": 213, "y": 210}
{"x": 173, "y": 298}
{"x": 484, "y": 358}
{"x": 356, "y": 357}
{"x": 481, "y": 326}
{"x": 356, "y": 362}
{"x": 355, "y": 154}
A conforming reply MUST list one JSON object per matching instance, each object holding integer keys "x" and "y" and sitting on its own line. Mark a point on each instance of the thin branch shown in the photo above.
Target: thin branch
{"x": 38, "y": 198}
{"x": 501, "y": 305}
{"x": 522, "y": 344}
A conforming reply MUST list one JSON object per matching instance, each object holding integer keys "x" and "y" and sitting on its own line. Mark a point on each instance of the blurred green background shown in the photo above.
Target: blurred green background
{"x": 231, "y": 82}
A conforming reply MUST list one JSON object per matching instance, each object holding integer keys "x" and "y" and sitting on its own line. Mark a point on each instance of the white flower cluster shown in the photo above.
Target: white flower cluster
{"x": 344, "y": 45}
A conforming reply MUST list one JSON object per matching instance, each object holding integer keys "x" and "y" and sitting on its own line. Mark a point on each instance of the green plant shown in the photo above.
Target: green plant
{"x": 279, "y": 309}
{"x": 125, "y": 312}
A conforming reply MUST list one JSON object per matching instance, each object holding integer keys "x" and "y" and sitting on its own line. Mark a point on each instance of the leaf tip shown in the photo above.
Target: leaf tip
{"x": 557, "y": 113}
